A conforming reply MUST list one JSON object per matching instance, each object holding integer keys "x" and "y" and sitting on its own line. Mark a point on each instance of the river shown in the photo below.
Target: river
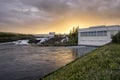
{"x": 27, "y": 62}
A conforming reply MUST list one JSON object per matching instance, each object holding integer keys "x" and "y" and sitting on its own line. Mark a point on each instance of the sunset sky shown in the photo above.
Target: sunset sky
{"x": 43, "y": 16}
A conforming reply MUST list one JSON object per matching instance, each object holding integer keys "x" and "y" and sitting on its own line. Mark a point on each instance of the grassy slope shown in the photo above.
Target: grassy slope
{"x": 101, "y": 64}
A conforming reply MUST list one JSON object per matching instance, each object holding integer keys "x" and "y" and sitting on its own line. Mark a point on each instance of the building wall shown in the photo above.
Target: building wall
{"x": 98, "y": 39}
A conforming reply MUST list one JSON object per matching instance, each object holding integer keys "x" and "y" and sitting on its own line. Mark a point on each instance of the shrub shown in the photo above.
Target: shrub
{"x": 116, "y": 38}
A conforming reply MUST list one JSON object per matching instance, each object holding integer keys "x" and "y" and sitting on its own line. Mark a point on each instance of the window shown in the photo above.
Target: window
{"x": 82, "y": 33}
{"x": 105, "y": 33}
{"x": 101, "y": 33}
{"x": 94, "y": 33}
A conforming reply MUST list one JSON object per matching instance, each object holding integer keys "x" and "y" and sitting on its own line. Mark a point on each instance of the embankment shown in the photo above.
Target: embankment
{"x": 100, "y": 64}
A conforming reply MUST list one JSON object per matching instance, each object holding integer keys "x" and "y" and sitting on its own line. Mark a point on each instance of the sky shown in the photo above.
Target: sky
{"x": 44, "y": 16}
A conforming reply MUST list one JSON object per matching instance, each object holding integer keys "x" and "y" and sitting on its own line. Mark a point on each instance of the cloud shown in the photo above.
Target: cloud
{"x": 21, "y": 13}
{"x": 62, "y": 7}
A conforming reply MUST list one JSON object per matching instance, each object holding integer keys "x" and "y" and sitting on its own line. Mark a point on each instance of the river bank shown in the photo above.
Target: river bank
{"x": 100, "y": 64}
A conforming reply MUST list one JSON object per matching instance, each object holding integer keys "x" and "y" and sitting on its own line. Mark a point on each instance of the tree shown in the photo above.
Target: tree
{"x": 73, "y": 36}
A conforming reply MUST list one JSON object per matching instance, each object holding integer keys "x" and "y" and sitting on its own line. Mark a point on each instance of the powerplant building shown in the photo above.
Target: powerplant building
{"x": 97, "y": 36}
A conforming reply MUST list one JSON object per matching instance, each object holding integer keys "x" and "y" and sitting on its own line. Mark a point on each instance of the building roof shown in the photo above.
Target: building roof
{"x": 102, "y": 28}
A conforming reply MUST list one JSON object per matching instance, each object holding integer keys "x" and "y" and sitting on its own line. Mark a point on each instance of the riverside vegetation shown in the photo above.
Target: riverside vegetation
{"x": 100, "y": 64}
{"x": 8, "y": 37}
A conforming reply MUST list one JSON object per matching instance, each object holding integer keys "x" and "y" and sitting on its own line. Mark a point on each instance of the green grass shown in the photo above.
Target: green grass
{"x": 100, "y": 64}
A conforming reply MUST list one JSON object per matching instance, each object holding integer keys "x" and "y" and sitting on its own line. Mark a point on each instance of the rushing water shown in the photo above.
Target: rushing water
{"x": 26, "y": 62}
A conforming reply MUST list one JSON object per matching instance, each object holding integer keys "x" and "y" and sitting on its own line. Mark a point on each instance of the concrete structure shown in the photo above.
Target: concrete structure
{"x": 50, "y": 35}
{"x": 97, "y": 36}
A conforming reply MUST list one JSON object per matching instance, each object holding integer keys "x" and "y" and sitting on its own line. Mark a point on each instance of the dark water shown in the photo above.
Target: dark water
{"x": 26, "y": 62}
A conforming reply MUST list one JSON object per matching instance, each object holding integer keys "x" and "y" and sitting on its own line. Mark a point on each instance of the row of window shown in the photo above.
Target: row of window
{"x": 94, "y": 33}
{"x": 93, "y": 40}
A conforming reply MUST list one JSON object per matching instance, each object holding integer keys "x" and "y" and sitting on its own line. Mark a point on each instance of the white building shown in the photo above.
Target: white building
{"x": 50, "y": 35}
{"x": 97, "y": 36}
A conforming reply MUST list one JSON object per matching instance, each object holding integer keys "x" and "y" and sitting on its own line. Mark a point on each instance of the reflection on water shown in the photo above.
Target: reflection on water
{"x": 27, "y": 62}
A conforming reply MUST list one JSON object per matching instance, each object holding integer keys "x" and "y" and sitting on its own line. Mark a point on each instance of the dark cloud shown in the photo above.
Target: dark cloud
{"x": 26, "y": 12}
